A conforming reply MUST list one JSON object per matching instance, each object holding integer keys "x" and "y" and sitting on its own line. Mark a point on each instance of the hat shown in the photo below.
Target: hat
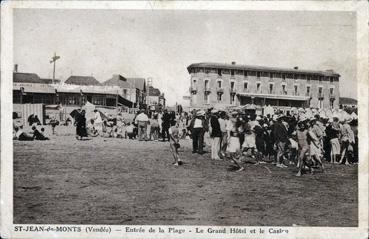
{"x": 265, "y": 125}
{"x": 234, "y": 112}
{"x": 213, "y": 111}
{"x": 258, "y": 118}
{"x": 200, "y": 113}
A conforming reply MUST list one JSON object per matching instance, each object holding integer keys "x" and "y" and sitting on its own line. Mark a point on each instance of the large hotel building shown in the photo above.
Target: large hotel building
{"x": 215, "y": 84}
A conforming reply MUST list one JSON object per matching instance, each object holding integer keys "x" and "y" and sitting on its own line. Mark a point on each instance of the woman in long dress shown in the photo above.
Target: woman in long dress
{"x": 233, "y": 146}
{"x": 81, "y": 125}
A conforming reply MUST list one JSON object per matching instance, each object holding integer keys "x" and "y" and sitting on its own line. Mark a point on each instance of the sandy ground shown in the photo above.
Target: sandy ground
{"x": 117, "y": 181}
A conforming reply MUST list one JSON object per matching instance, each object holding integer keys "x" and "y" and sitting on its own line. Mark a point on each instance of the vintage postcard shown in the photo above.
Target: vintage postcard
{"x": 184, "y": 119}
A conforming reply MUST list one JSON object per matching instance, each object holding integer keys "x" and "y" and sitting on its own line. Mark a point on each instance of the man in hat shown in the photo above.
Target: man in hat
{"x": 198, "y": 127}
{"x": 215, "y": 134}
{"x": 347, "y": 138}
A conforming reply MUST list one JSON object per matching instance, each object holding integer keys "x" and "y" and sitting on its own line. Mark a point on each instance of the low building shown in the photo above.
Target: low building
{"x": 155, "y": 99}
{"x": 236, "y": 85}
{"x": 30, "y": 88}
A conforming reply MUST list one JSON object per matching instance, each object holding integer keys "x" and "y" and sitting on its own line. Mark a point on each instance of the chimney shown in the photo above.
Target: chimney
{"x": 233, "y": 63}
{"x": 16, "y": 68}
{"x": 296, "y": 68}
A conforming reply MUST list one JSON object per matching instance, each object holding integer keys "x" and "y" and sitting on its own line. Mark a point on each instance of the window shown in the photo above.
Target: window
{"x": 245, "y": 84}
{"x": 219, "y": 84}
{"x": 284, "y": 92}
{"x": 331, "y": 79}
{"x": 245, "y": 73}
{"x": 308, "y": 89}
{"x": 207, "y": 70}
{"x": 219, "y": 97}
{"x": 125, "y": 92}
{"x": 232, "y": 99}
{"x": 320, "y": 90}
{"x": 320, "y": 78}
{"x": 206, "y": 82}
{"x": 308, "y": 79}
{"x": 219, "y": 72}
{"x": 258, "y": 74}
{"x": 232, "y": 72}
{"x": 296, "y": 90}
{"x": 232, "y": 85}
{"x": 270, "y": 88}
{"x": 194, "y": 82}
{"x": 283, "y": 77}
{"x": 331, "y": 91}
{"x": 257, "y": 86}
{"x": 271, "y": 76}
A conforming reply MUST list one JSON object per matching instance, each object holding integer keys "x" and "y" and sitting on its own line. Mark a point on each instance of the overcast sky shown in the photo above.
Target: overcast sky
{"x": 161, "y": 44}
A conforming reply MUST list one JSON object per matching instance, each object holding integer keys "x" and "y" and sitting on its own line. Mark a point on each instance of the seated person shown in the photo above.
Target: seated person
{"x": 37, "y": 135}
{"x": 20, "y": 135}
{"x": 130, "y": 131}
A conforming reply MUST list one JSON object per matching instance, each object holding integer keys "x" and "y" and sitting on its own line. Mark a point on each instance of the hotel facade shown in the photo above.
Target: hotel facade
{"x": 215, "y": 84}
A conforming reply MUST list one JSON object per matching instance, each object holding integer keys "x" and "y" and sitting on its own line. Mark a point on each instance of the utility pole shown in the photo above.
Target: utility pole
{"x": 53, "y": 60}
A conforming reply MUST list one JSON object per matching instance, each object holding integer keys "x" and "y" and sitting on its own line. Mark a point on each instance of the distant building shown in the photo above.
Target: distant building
{"x": 133, "y": 89}
{"x": 231, "y": 84}
{"x": 82, "y": 80}
{"x": 155, "y": 97}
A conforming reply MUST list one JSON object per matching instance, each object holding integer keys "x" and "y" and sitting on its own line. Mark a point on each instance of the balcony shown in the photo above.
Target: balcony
{"x": 332, "y": 96}
{"x": 193, "y": 90}
{"x": 296, "y": 94}
{"x": 220, "y": 90}
{"x": 207, "y": 90}
{"x": 320, "y": 96}
{"x": 232, "y": 91}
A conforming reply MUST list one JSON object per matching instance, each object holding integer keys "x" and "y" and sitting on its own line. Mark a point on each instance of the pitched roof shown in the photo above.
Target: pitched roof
{"x": 154, "y": 91}
{"x": 50, "y": 81}
{"x": 82, "y": 80}
{"x": 27, "y": 78}
{"x": 259, "y": 68}
{"x": 138, "y": 82}
{"x": 117, "y": 80}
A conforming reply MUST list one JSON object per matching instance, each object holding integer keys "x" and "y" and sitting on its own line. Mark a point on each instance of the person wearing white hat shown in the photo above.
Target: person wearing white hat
{"x": 347, "y": 138}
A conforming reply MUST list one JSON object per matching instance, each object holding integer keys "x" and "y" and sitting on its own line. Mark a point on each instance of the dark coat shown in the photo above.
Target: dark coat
{"x": 215, "y": 127}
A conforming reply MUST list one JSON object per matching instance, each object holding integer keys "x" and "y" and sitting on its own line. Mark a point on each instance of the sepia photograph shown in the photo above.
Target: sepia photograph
{"x": 185, "y": 117}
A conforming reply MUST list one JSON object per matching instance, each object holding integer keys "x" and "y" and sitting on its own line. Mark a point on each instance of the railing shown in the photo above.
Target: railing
{"x": 207, "y": 90}
{"x": 193, "y": 89}
{"x": 232, "y": 91}
{"x": 220, "y": 90}
{"x": 320, "y": 96}
{"x": 332, "y": 95}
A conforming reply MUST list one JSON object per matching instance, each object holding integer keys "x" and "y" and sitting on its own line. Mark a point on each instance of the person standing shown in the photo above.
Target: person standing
{"x": 174, "y": 142}
{"x": 281, "y": 139}
{"x": 332, "y": 132}
{"x": 166, "y": 118}
{"x": 141, "y": 121}
{"x": 197, "y": 127}
{"x": 215, "y": 135}
{"x": 302, "y": 140}
{"x": 347, "y": 138}
{"x": 80, "y": 123}
{"x": 98, "y": 121}
{"x": 223, "y": 139}
{"x": 233, "y": 144}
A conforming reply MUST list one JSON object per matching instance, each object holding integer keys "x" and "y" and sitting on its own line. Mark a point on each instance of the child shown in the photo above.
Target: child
{"x": 174, "y": 142}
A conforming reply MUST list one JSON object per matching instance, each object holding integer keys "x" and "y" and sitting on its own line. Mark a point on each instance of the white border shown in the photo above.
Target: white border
{"x": 360, "y": 7}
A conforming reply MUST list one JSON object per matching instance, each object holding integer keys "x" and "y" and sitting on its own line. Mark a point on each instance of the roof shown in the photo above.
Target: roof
{"x": 154, "y": 91}
{"x": 348, "y": 101}
{"x": 27, "y": 78}
{"x": 260, "y": 68}
{"x": 117, "y": 80}
{"x": 82, "y": 80}
{"x": 50, "y": 81}
{"x": 139, "y": 83}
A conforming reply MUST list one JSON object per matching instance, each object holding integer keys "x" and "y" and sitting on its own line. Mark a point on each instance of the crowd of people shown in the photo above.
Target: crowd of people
{"x": 283, "y": 138}
{"x": 305, "y": 138}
